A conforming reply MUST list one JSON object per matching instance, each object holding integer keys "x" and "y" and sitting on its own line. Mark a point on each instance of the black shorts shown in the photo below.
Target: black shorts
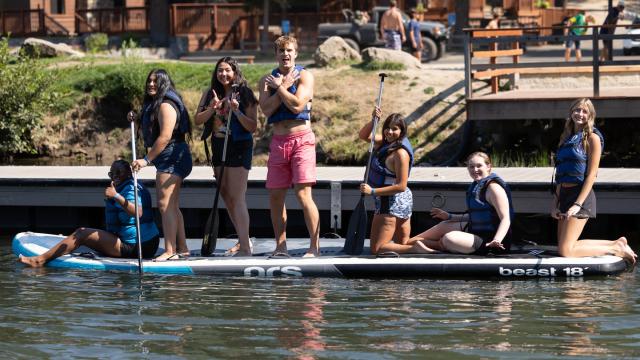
{"x": 149, "y": 248}
{"x": 569, "y": 195}
{"x": 487, "y": 237}
{"x": 239, "y": 153}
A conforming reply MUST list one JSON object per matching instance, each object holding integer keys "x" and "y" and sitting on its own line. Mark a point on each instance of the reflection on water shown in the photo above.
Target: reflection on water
{"x": 70, "y": 313}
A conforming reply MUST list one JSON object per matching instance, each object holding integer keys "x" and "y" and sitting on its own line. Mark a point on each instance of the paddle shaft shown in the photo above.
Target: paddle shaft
{"x": 207, "y": 247}
{"x": 373, "y": 130}
{"x": 354, "y": 241}
{"x": 135, "y": 198}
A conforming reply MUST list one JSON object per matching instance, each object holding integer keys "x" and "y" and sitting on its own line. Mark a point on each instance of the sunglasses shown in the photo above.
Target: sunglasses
{"x": 112, "y": 174}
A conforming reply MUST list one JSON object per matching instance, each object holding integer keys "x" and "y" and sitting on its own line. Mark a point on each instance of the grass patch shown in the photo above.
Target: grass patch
{"x": 429, "y": 91}
{"x": 519, "y": 159}
{"x": 124, "y": 81}
{"x": 381, "y": 65}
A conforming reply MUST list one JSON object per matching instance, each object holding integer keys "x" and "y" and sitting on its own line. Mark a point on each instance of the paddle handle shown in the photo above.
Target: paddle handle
{"x": 375, "y": 127}
{"x": 135, "y": 197}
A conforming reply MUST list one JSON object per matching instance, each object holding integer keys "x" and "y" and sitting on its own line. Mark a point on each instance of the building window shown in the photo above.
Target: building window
{"x": 57, "y": 6}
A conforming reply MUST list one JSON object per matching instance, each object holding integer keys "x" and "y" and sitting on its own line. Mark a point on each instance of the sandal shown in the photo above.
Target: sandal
{"x": 279, "y": 255}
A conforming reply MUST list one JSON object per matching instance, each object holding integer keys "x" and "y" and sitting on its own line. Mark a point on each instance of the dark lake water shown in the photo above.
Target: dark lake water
{"x": 75, "y": 313}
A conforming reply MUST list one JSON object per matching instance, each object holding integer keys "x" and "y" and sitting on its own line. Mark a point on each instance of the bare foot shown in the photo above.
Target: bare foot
{"x": 625, "y": 252}
{"x": 420, "y": 248}
{"x": 623, "y": 240}
{"x": 163, "y": 257}
{"x": 234, "y": 249}
{"x": 32, "y": 261}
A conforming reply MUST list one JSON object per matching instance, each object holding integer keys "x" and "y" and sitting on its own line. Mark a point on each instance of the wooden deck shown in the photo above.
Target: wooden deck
{"x": 552, "y": 103}
{"x": 336, "y": 190}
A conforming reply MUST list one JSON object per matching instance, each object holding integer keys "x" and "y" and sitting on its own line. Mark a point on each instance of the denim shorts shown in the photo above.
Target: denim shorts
{"x": 398, "y": 205}
{"x": 570, "y": 41}
{"x": 239, "y": 153}
{"x": 175, "y": 159}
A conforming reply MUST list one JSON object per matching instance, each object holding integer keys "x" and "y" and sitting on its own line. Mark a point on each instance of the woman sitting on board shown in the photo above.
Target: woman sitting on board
{"x": 165, "y": 127}
{"x": 387, "y": 182}
{"x": 487, "y": 224}
{"x": 577, "y": 162}
{"x": 213, "y": 110}
{"x": 120, "y": 238}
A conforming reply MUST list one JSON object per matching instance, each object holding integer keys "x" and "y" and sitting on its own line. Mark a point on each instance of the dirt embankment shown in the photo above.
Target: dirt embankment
{"x": 432, "y": 100}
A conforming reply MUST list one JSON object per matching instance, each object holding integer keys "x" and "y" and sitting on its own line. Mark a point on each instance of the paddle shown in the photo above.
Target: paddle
{"x": 213, "y": 222}
{"x": 357, "y": 229}
{"x": 135, "y": 193}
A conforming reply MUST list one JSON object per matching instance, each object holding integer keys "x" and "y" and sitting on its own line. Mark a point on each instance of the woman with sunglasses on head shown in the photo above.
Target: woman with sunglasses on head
{"x": 120, "y": 237}
{"x": 577, "y": 163}
{"x": 165, "y": 129}
{"x": 213, "y": 111}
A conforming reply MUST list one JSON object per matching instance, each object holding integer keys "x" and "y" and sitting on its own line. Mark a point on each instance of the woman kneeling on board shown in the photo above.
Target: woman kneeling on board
{"x": 577, "y": 163}
{"x": 486, "y": 225}
{"x": 119, "y": 240}
{"x": 387, "y": 182}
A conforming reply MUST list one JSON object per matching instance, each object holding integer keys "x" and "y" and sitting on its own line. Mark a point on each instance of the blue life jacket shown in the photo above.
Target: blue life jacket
{"x": 119, "y": 222}
{"x": 283, "y": 113}
{"x": 571, "y": 159}
{"x": 482, "y": 216}
{"x": 150, "y": 128}
{"x": 379, "y": 175}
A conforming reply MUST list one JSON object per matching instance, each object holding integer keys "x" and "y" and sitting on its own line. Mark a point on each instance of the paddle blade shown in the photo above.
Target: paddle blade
{"x": 357, "y": 230}
{"x": 210, "y": 234}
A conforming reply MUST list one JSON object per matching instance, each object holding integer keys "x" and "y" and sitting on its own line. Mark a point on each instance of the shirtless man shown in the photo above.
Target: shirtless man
{"x": 285, "y": 98}
{"x": 392, "y": 28}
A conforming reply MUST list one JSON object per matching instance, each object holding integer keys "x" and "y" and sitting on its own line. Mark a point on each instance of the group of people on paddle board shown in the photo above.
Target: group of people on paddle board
{"x": 285, "y": 97}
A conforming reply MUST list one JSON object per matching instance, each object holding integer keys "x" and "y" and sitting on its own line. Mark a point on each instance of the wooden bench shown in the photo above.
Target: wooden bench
{"x": 493, "y": 53}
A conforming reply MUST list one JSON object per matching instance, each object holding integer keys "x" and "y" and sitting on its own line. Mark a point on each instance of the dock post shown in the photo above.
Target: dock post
{"x": 596, "y": 63}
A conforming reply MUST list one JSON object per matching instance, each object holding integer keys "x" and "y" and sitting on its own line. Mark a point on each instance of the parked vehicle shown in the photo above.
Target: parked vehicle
{"x": 632, "y": 46}
{"x": 361, "y": 34}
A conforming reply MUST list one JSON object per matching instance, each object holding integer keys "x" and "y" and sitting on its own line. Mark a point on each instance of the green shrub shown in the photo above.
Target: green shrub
{"x": 96, "y": 42}
{"x": 24, "y": 97}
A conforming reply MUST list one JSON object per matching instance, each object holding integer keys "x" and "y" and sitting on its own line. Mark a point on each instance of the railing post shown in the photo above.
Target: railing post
{"x": 122, "y": 22}
{"x": 468, "y": 89}
{"x": 596, "y": 63}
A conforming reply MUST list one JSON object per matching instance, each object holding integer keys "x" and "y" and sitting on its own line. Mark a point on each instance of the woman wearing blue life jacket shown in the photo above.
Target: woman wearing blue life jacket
{"x": 213, "y": 111}
{"x": 486, "y": 226}
{"x": 388, "y": 176}
{"x": 577, "y": 162}
{"x": 120, "y": 237}
{"x": 165, "y": 129}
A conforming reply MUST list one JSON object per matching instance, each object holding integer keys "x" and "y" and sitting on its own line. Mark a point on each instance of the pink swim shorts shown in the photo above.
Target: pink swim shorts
{"x": 292, "y": 160}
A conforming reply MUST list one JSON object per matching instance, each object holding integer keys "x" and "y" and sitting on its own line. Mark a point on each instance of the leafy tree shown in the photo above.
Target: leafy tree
{"x": 24, "y": 98}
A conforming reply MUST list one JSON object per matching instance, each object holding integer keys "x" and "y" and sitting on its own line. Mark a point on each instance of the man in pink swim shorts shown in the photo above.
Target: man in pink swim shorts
{"x": 285, "y": 98}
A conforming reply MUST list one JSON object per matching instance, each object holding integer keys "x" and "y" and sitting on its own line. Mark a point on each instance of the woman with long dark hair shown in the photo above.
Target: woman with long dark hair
{"x": 577, "y": 163}
{"x": 388, "y": 176}
{"x": 165, "y": 129}
{"x": 216, "y": 103}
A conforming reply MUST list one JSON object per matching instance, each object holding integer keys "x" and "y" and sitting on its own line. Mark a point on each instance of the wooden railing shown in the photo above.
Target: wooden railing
{"x": 53, "y": 27}
{"x": 22, "y": 22}
{"x": 235, "y": 28}
{"x": 204, "y": 18}
{"x": 476, "y": 38}
{"x": 112, "y": 20}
